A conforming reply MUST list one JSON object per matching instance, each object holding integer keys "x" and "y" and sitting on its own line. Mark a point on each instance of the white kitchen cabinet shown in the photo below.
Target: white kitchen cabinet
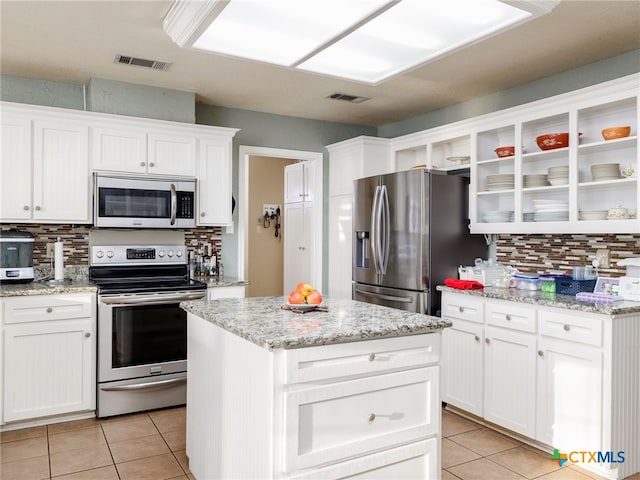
{"x": 510, "y": 379}
{"x": 340, "y": 245}
{"x": 366, "y": 409}
{"x": 45, "y": 169}
{"x": 297, "y": 228}
{"x": 583, "y": 114}
{"x": 214, "y": 180}
{"x": 299, "y": 179}
{"x": 237, "y": 291}
{"x": 49, "y": 355}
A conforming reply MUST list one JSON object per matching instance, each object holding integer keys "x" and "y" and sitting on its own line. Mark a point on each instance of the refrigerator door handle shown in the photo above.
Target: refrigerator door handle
{"x": 375, "y": 229}
{"x": 393, "y": 298}
{"x": 385, "y": 230}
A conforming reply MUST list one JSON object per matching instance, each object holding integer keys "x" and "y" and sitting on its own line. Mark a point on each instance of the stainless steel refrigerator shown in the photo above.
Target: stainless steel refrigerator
{"x": 411, "y": 231}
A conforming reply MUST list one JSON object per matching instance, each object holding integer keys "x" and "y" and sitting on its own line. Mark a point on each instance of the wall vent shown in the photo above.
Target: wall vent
{"x": 142, "y": 62}
{"x": 347, "y": 98}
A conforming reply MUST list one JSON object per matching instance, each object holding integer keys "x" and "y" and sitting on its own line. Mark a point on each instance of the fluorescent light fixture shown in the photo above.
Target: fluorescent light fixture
{"x": 368, "y": 41}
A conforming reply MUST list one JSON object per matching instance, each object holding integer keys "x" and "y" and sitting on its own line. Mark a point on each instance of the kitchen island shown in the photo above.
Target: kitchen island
{"x": 273, "y": 393}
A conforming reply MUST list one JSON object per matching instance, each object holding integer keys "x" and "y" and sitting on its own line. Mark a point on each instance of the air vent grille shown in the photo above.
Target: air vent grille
{"x": 142, "y": 62}
{"x": 347, "y": 98}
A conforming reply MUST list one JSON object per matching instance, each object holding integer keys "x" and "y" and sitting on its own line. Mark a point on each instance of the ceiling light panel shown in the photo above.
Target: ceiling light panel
{"x": 411, "y": 33}
{"x": 282, "y": 31}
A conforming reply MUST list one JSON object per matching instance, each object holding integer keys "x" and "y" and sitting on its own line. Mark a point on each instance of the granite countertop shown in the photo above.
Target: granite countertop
{"x": 536, "y": 297}
{"x": 45, "y": 288}
{"x": 260, "y": 320}
{"x": 213, "y": 282}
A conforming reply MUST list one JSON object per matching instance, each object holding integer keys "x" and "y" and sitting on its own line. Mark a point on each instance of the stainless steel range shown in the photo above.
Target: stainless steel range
{"x": 142, "y": 331}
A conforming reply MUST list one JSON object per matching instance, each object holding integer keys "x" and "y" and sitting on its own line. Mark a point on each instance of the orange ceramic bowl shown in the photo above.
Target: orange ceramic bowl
{"x": 616, "y": 132}
{"x": 553, "y": 140}
{"x": 505, "y": 151}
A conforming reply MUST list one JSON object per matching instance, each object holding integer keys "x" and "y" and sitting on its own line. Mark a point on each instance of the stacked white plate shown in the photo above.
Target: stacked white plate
{"x": 558, "y": 175}
{"x": 550, "y": 211}
{"x": 592, "y": 214}
{"x": 503, "y": 181}
{"x": 493, "y": 216}
{"x": 529, "y": 181}
{"x": 528, "y": 217}
{"x": 605, "y": 171}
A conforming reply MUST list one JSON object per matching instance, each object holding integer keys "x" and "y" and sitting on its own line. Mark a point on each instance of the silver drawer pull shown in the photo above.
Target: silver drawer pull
{"x": 372, "y": 417}
{"x": 487, "y": 341}
{"x": 461, "y": 309}
{"x": 87, "y": 334}
{"x": 142, "y": 164}
{"x": 38, "y": 208}
{"x": 540, "y": 353}
{"x": 477, "y": 338}
{"x": 372, "y": 357}
{"x": 566, "y": 327}
{"x": 49, "y": 309}
{"x": 151, "y": 164}
{"x": 507, "y": 317}
{"x": 202, "y": 214}
{"x": 26, "y": 207}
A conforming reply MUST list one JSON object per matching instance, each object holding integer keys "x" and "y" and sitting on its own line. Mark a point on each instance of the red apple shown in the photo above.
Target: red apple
{"x": 304, "y": 289}
{"x": 314, "y": 298}
{"x": 295, "y": 298}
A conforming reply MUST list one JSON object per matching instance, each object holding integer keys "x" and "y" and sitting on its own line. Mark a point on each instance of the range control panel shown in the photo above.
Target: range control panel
{"x": 138, "y": 255}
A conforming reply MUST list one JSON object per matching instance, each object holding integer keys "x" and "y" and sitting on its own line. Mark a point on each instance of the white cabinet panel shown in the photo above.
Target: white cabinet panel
{"x": 225, "y": 292}
{"x": 340, "y": 245}
{"x": 16, "y": 168}
{"x": 508, "y": 315}
{"x": 297, "y": 227}
{"x": 462, "y": 370}
{"x": 509, "y": 386}
{"x": 214, "y": 182}
{"x": 298, "y": 182}
{"x": 336, "y": 421}
{"x": 61, "y": 182}
{"x": 569, "y": 399}
{"x": 119, "y": 150}
{"x": 171, "y": 154}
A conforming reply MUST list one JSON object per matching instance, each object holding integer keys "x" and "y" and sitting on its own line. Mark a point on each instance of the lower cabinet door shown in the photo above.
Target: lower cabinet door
{"x": 510, "y": 380}
{"x": 330, "y": 423}
{"x": 462, "y": 367}
{"x": 569, "y": 406}
{"x": 410, "y": 462}
{"x": 49, "y": 368}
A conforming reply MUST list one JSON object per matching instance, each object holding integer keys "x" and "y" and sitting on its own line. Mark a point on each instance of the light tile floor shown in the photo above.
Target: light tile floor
{"x": 151, "y": 446}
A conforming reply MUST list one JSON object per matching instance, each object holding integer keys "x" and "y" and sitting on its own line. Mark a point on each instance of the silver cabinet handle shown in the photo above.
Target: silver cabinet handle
{"x": 540, "y": 353}
{"x": 26, "y": 207}
{"x": 151, "y": 164}
{"x": 87, "y": 334}
{"x": 142, "y": 164}
{"x": 372, "y": 417}
{"x": 507, "y": 317}
{"x": 461, "y": 309}
{"x": 202, "y": 214}
{"x": 477, "y": 338}
{"x": 566, "y": 327}
{"x": 487, "y": 341}
{"x": 49, "y": 309}
{"x": 372, "y": 357}
{"x": 38, "y": 208}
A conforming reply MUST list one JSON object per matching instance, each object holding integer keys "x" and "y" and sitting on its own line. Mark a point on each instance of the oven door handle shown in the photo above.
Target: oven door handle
{"x": 151, "y": 299}
{"x": 146, "y": 386}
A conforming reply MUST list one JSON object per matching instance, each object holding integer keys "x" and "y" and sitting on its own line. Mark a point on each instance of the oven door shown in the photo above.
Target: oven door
{"x": 142, "y": 335}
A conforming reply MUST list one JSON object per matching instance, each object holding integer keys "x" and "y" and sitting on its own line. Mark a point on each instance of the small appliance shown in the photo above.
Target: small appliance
{"x": 129, "y": 201}
{"x": 16, "y": 256}
{"x": 629, "y": 286}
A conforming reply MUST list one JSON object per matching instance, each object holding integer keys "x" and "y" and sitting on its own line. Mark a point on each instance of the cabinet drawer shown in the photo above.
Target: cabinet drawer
{"x": 510, "y": 315}
{"x": 361, "y": 358}
{"x": 462, "y": 307}
{"x": 42, "y": 308}
{"x": 575, "y": 327}
{"x": 416, "y": 460}
{"x": 337, "y": 421}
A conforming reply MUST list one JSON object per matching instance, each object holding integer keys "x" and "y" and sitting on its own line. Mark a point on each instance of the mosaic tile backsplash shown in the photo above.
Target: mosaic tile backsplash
{"x": 76, "y": 241}
{"x": 560, "y": 253}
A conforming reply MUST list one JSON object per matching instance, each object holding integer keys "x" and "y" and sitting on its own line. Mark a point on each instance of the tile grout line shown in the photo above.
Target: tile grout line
{"x": 115, "y": 466}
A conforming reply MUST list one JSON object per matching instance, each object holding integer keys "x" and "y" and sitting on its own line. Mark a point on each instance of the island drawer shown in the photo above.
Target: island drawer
{"x": 361, "y": 358}
{"x": 43, "y": 308}
{"x": 510, "y": 315}
{"x": 330, "y": 423}
{"x": 416, "y": 460}
{"x": 572, "y": 326}
{"x": 462, "y": 307}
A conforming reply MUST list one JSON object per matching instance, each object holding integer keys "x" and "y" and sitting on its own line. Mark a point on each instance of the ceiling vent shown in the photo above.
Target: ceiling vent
{"x": 347, "y": 98}
{"x": 142, "y": 62}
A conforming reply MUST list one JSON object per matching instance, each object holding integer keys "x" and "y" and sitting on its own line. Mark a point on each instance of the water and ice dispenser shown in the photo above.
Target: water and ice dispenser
{"x": 362, "y": 250}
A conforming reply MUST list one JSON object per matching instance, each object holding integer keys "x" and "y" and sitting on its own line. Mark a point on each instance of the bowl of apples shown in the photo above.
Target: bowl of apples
{"x": 304, "y": 297}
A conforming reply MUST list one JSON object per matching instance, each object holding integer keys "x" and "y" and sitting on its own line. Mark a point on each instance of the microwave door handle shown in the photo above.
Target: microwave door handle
{"x": 174, "y": 204}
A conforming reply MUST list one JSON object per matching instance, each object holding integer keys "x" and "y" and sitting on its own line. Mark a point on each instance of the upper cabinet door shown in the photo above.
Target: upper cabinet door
{"x": 172, "y": 154}
{"x": 299, "y": 179}
{"x": 61, "y": 171}
{"x": 15, "y": 169}
{"x": 119, "y": 150}
{"x": 214, "y": 182}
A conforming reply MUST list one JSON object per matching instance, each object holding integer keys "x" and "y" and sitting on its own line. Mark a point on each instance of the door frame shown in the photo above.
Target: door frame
{"x": 246, "y": 151}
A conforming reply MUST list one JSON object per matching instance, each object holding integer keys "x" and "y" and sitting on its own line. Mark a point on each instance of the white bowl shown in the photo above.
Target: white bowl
{"x": 559, "y": 180}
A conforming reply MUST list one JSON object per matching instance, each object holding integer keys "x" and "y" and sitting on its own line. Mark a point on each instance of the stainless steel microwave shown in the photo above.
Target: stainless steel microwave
{"x": 128, "y": 201}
